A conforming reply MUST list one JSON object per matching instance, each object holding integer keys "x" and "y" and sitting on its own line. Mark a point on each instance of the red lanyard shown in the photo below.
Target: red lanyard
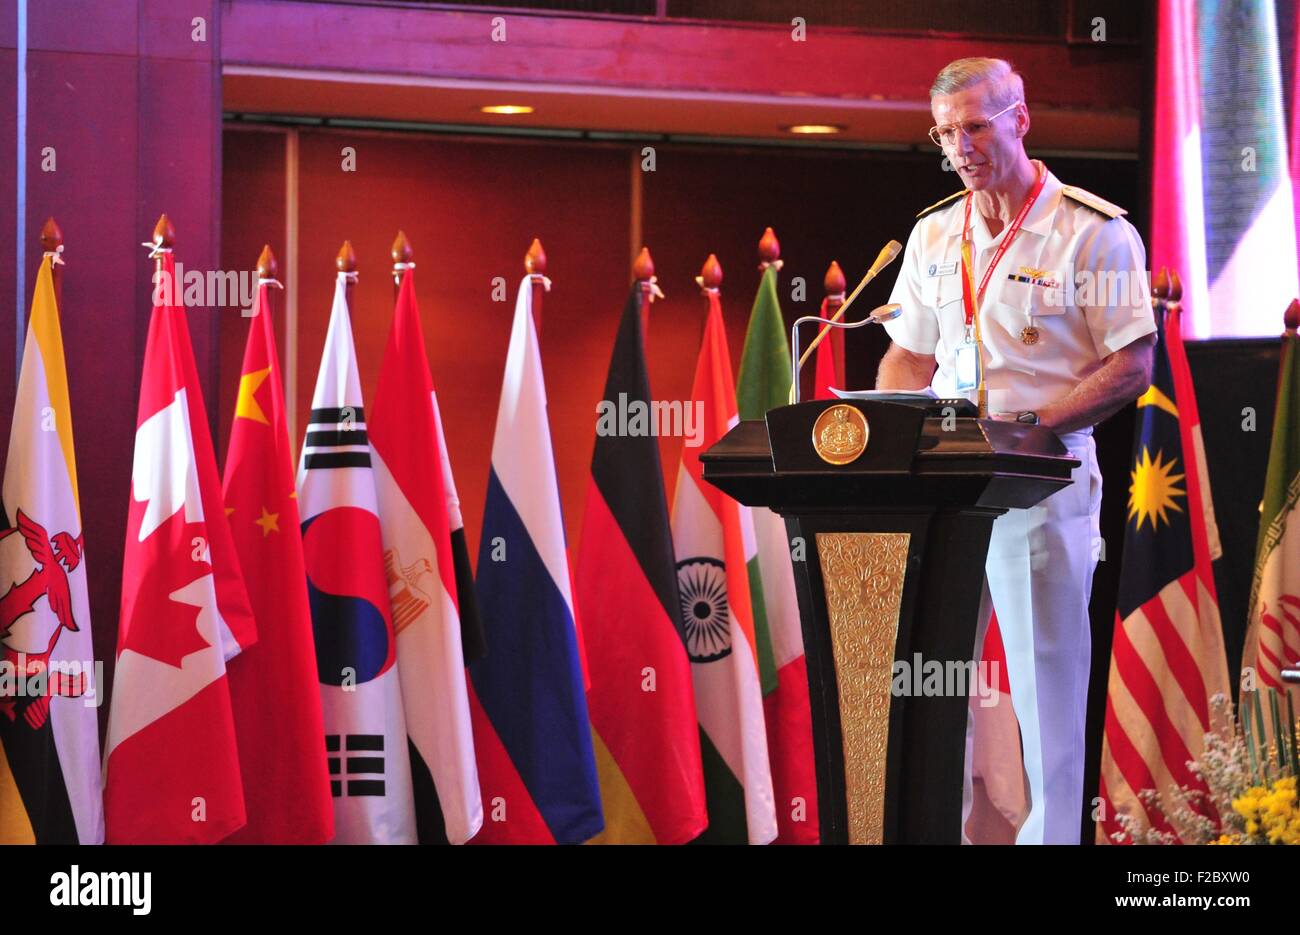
{"x": 968, "y": 274}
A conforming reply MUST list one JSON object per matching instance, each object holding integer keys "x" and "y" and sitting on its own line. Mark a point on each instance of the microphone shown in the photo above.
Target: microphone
{"x": 886, "y": 256}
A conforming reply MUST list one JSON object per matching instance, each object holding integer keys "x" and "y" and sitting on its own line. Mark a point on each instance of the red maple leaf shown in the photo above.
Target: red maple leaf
{"x": 155, "y": 624}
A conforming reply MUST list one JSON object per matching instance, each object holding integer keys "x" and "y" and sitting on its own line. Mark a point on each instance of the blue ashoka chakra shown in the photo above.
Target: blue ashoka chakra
{"x": 702, "y": 587}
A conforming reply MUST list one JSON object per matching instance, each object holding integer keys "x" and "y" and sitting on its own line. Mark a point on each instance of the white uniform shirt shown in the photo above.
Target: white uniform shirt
{"x": 1073, "y": 272}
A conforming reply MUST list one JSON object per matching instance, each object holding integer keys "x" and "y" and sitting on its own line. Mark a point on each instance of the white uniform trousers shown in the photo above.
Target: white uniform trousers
{"x": 1038, "y": 579}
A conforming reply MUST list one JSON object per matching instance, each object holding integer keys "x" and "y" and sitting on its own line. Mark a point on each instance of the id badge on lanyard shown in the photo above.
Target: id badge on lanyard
{"x": 968, "y": 364}
{"x": 968, "y": 359}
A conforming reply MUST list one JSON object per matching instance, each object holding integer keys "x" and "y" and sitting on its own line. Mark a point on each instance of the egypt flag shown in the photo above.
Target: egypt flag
{"x": 349, "y": 591}
{"x": 763, "y": 384}
{"x": 1167, "y": 658}
{"x": 533, "y": 734}
{"x": 1273, "y": 634}
{"x": 49, "y": 742}
{"x": 421, "y": 579}
{"x": 642, "y": 703}
{"x": 713, "y": 538}
{"x": 172, "y": 765}
{"x": 273, "y": 685}
{"x": 1223, "y": 214}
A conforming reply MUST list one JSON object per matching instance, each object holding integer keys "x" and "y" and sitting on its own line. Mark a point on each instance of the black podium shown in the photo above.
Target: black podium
{"x": 889, "y": 507}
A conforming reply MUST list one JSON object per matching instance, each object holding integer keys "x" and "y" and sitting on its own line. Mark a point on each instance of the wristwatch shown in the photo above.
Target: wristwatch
{"x": 1029, "y": 417}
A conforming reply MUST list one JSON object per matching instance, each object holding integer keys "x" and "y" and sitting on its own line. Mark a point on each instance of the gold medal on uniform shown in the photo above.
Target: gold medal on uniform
{"x": 1029, "y": 335}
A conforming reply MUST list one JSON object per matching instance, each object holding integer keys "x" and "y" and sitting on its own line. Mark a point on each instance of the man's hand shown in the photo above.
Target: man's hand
{"x": 1122, "y": 378}
{"x": 900, "y": 369}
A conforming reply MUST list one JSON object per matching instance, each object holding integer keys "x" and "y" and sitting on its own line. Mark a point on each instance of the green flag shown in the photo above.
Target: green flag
{"x": 1273, "y": 632}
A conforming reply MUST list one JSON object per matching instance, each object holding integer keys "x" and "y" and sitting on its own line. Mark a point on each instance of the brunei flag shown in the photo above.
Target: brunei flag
{"x": 533, "y": 734}
{"x": 172, "y": 764}
{"x": 408, "y": 458}
{"x": 764, "y": 383}
{"x": 348, "y": 588}
{"x": 1167, "y": 659}
{"x": 273, "y": 685}
{"x": 49, "y": 759}
{"x": 1273, "y": 635}
{"x": 642, "y": 704}
{"x": 713, "y": 537}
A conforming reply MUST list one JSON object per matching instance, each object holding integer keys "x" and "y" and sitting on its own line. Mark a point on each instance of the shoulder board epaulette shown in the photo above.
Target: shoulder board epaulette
{"x": 942, "y": 203}
{"x": 1092, "y": 201}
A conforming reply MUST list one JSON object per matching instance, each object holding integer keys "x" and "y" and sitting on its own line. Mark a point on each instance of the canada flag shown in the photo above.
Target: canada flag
{"x": 172, "y": 765}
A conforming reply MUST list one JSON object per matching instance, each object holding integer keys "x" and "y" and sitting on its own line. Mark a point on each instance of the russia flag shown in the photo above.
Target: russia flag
{"x": 531, "y": 731}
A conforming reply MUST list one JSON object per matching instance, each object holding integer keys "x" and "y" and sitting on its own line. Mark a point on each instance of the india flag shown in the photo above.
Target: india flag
{"x": 713, "y": 540}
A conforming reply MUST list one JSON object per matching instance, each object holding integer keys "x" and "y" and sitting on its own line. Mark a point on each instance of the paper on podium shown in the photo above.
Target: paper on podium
{"x": 887, "y": 395}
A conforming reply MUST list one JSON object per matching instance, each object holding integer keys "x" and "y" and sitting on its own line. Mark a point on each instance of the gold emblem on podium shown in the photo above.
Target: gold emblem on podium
{"x": 840, "y": 434}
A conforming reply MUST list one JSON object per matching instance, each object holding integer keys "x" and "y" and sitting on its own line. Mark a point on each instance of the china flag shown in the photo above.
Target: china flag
{"x": 273, "y": 686}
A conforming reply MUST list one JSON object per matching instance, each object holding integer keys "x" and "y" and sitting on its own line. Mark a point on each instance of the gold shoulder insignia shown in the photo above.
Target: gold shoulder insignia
{"x": 942, "y": 203}
{"x": 1092, "y": 201}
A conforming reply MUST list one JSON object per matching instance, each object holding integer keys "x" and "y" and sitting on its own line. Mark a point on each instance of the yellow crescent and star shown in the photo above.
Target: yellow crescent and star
{"x": 247, "y": 407}
{"x": 1154, "y": 489}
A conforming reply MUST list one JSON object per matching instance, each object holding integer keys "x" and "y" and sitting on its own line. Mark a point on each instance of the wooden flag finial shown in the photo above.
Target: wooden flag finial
{"x": 711, "y": 273}
{"x": 51, "y": 236}
{"x": 164, "y": 235}
{"x": 346, "y": 261}
{"x": 535, "y": 258}
{"x": 769, "y": 248}
{"x": 834, "y": 281}
{"x": 643, "y": 267}
{"x": 401, "y": 251}
{"x": 1291, "y": 317}
{"x": 1160, "y": 285}
{"x": 266, "y": 265}
{"x": 1175, "y": 287}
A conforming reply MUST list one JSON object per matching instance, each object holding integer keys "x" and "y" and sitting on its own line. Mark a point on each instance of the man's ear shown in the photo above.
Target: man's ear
{"x": 1022, "y": 120}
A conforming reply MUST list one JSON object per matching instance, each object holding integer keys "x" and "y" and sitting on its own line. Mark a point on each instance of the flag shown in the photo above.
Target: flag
{"x": 828, "y": 367}
{"x": 1273, "y": 632}
{"x": 408, "y": 468}
{"x": 1224, "y": 208}
{"x": 273, "y": 686}
{"x": 763, "y": 384}
{"x": 642, "y": 706}
{"x": 999, "y": 787}
{"x": 713, "y": 538}
{"x": 49, "y": 742}
{"x": 348, "y": 589}
{"x": 534, "y": 736}
{"x": 1167, "y": 657}
{"x": 172, "y": 764}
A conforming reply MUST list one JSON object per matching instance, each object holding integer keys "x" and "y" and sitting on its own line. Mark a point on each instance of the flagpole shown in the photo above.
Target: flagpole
{"x": 162, "y": 241}
{"x": 710, "y": 278}
{"x": 267, "y": 271}
{"x": 1160, "y": 294}
{"x": 52, "y": 245}
{"x": 401, "y": 253}
{"x": 346, "y": 262}
{"x": 535, "y": 266}
{"x": 643, "y": 270}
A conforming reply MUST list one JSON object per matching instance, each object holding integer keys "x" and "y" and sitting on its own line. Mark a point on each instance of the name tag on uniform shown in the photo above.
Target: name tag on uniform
{"x": 967, "y": 366}
{"x": 941, "y": 269}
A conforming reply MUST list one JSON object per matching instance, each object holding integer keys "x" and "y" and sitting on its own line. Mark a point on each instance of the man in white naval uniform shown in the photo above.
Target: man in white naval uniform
{"x": 1060, "y": 291}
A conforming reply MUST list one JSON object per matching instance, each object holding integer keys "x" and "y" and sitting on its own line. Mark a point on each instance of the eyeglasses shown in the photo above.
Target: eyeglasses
{"x": 975, "y": 129}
